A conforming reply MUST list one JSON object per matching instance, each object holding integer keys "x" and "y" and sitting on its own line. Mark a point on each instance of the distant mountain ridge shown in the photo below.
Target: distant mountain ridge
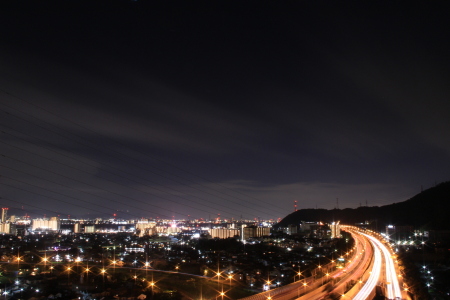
{"x": 429, "y": 209}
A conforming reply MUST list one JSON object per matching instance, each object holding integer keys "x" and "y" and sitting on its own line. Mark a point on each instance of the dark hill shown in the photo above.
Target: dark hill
{"x": 428, "y": 210}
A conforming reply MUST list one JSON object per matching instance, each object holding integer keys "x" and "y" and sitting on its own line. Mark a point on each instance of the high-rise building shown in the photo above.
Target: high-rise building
{"x": 5, "y": 228}
{"x": 335, "y": 230}
{"x": 254, "y": 231}
{"x": 4, "y": 213}
{"x": 52, "y": 224}
{"x": 76, "y": 227}
{"x": 89, "y": 229}
{"x": 145, "y": 228}
{"x": 223, "y": 233}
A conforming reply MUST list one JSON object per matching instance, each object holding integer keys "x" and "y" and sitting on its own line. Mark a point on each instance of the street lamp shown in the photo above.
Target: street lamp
{"x": 103, "y": 271}
{"x": 87, "y": 270}
{"x": 268, "y": 282}
{"x": 18, "y": 262}
{"x": 152, "y": 284}
{"x": 68, "y": 274}
{"x": 77, "y": 260}
{"x": 45, "y": 259}
{"x": 299, "y": 274}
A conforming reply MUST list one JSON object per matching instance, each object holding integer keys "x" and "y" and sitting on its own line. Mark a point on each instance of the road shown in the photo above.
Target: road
{"x": 334, "y": 280}
{"x": 371, "y": 264}
{"x": 384, "y": 272}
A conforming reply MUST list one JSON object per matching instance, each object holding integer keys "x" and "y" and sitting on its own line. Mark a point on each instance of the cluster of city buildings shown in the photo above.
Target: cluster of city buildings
{"x": 243, "y": 229}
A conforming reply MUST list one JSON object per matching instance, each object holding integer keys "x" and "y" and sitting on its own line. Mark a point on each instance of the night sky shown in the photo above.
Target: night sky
{"x": 177, "y": 109}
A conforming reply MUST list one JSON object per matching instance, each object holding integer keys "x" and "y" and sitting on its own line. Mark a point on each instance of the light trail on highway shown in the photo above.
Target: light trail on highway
{"x": 369, "y": 286}
{"x": 369, "y": 260}
{"x": 383, "y": 264}
{"x": 358, "y": 264}
{"x": 392, "y": 286}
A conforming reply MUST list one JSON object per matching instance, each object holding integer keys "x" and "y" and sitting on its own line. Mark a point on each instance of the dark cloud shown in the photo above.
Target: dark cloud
{"x": 197, "y": 109}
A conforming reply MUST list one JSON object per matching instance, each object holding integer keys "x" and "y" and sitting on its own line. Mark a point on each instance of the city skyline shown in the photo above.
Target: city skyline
{"x": 159, "y": 110}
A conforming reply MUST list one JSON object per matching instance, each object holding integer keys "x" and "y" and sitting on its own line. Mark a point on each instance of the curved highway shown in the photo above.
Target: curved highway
{"x": 384, "y": 271}
{"x": 371, "y": 265}
{"x": 334, "y": 281}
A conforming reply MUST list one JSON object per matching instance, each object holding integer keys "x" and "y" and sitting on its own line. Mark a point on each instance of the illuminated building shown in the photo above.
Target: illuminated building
{"x": 335, "y": 230}
{"x": 89, "y": 229}
{"x": 52, "y": 224}
{"x": 254, "y": 231}
{"x": 76, "y": 227}
{"x": 145, "y": 228}
{"x": 5, "y": 228}
{"x": 223, "y": 233}
{"x": 4, "y": 213}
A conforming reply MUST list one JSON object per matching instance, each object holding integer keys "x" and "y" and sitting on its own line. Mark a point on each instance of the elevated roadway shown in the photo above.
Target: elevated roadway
{"x": 384, "y": 272}
{"x": 328, "y": 279}
{"x": 370, "y": 267}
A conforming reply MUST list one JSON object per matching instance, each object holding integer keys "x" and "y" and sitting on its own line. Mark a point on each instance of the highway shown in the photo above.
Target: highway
{"x": 370, "y": 265}
{"x": 335, "y": 280}
{"x": 367, "y": 289}
{"x": 393, "y": 290}
{"x": 384, "y": 272}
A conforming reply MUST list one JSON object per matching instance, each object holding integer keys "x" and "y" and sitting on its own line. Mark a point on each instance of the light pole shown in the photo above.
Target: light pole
{"x": 299, "y": 274}
{"x": 18, "y": 263}
{"x": 152, "y": 284}
{"x": 68, "y": 275}
{"x": 114, "y": 266}
{"x": 147, "y": 265}
{"x": 268, "y": 282}
{"x": 77, "y": 260}
{"x": 87, "y": 270}
{"x": 103, "y": 271}
{"x": 218, "y": 276}
{"x": 45, "y": 259}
